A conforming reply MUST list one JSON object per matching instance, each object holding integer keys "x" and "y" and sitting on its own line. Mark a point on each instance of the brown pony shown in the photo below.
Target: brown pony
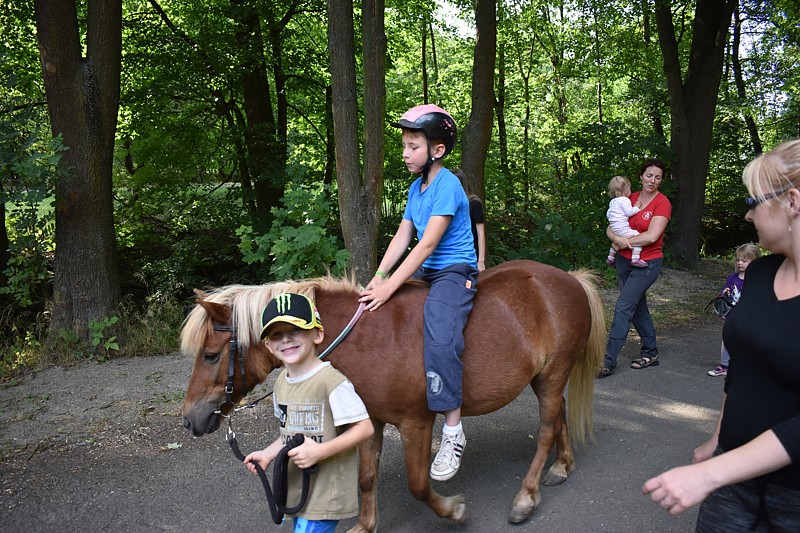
{"x": 531, "y": 324}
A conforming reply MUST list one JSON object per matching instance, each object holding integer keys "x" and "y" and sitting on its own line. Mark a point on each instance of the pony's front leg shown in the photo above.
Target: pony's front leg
{"x": 369, "y": 455}
{"x": 416, "y": 435}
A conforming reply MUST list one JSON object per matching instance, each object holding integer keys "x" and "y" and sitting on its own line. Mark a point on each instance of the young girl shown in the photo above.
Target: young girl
{"x": 745, "y": 254}
{"x": 619, "y": 211}
{"x": 477, "y": 218}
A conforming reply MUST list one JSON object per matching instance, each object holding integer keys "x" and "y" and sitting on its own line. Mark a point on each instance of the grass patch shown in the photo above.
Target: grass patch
{"x": 152, "y": 330}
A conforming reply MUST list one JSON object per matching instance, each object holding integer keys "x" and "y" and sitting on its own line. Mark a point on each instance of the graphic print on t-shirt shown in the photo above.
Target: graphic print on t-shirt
{"x": 304, "y": 417}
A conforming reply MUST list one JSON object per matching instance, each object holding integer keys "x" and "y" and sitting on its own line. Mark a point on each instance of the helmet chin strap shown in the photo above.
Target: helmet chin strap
{"x": 427, "y": 166}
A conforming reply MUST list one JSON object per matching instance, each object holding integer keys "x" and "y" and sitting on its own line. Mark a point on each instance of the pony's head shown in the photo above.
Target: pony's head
{"x": 206, "y": 336}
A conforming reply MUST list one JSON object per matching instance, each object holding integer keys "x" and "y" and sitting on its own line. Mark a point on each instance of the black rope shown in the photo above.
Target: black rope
{"x": 280, "y": 478}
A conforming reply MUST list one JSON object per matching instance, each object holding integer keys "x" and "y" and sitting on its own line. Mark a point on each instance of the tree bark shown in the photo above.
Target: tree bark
{"x": 83, "y": 101}
{"x": 752, "y": 129}
{"x": 266, "y": 156}
{"x": 5, "y": 255}
{"x": 478, "y": 131}
{"x": 359, "y": 198}
{"x": 692, "y": 105}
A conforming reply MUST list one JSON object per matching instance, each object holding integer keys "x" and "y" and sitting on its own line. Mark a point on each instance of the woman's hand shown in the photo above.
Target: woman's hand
{"x": 705, "y": 451}
{"x": 678, "y": 489}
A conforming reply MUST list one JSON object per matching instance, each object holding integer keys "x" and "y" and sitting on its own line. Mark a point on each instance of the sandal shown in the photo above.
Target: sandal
{"x": 605, "y": 372}
{"x": 644, "y": 362}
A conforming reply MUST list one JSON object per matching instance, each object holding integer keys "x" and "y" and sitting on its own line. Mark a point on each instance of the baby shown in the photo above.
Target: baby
{"x": 619, "y": 211}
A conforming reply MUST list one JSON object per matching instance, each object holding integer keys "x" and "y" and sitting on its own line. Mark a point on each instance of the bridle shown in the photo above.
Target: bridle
{"x": 277, "y": 502}
{"x": 228, "y": 408}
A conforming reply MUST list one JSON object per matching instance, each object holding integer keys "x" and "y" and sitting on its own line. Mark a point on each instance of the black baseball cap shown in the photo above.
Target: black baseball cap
{"x": 292, "y": 308}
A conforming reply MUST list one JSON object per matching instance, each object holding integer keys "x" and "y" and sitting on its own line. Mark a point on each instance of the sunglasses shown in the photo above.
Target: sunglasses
{"x": 751, "y": 202}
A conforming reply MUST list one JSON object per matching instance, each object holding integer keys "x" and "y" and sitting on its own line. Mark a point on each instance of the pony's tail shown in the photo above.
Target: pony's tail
{"x": 582, "y": 377}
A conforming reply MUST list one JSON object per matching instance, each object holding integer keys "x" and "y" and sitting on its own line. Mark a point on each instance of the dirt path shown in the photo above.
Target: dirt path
{"x": 100, "y": 447}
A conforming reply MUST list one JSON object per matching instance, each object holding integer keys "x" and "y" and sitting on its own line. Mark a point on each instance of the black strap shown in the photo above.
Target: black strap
{"x": 280, "y": 478}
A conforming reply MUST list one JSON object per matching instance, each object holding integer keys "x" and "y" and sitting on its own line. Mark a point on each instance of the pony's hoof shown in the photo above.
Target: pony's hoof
{"x": 523, "y": 507}
{"x": 459, "y": 513}
{"x": 551, "y": 479}
{"x": 518, "y": 515}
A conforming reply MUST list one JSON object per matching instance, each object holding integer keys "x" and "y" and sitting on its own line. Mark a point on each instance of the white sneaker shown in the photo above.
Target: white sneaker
{"x": 448, "y": 459}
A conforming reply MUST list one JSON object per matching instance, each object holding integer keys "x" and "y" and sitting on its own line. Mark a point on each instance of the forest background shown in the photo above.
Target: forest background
{"x": 151, "y": 147}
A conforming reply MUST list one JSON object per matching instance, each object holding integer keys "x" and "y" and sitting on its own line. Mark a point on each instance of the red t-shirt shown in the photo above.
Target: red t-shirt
{"x": 658, "y": 207}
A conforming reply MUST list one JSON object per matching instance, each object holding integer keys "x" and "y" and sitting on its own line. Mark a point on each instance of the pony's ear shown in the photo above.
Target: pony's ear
{"x": 221, "y": 314}
{"x": 201, "y": 295}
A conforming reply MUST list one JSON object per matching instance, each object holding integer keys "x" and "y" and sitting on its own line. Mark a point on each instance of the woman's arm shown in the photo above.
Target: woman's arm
{"x": 680, "y": 488}
{"x": 481, "y": 230}
{"x": 657, "y": 226}
{"x": 379, "y": 291}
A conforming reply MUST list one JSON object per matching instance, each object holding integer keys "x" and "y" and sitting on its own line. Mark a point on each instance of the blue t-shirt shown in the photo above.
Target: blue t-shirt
{"x": 444, "y": 197}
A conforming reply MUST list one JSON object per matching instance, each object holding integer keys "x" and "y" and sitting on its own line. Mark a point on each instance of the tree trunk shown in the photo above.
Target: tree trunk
{"x": 5, "y": 254}
{"x": 692, "y": 105}
{"x": 265, "y": 156}
{"x": 364, "y": 239}
{"x": 359, "y": 200}
{"x": 478, "y": 131}
{"x": 83, "y": 101}
{"x": 509, "y": 194}
{"x": 752, "y": 129}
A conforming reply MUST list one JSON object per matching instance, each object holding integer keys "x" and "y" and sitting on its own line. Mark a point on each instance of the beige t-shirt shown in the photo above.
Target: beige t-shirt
{"x": 316, "y": 404}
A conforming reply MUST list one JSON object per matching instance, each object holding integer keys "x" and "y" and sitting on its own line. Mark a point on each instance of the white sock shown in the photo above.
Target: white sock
{"x": 451, "y": 431}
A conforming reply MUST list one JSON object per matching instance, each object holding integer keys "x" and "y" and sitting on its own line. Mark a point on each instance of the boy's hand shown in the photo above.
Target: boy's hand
{"x": 263, "y": 457}
{"x": 257, "y": 457}
{"x": 307, "y": 454}
{"x": 376, "y": 294}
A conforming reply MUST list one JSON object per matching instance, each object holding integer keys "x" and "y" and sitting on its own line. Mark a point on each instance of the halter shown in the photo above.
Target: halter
{"x": 276, "y": 501}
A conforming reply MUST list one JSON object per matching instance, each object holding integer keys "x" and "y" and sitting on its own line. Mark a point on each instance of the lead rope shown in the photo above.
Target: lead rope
{"x": 280, "y": 477}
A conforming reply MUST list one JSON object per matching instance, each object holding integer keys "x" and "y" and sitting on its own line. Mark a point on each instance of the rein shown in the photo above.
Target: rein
{"x": 276, "y": 501}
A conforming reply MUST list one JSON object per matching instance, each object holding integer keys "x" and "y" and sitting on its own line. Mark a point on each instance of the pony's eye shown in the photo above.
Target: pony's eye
{"x": 211, "y": 357}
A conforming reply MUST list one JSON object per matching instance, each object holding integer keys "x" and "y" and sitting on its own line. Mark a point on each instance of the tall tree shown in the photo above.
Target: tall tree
{"x": 736, "y": 65}
{"x": 266, "y": 147}
{"x": 478, "y": 131}
{"x": 693, "y": 101}
{"x": 83, "y": 101}
{"x": 359, "y": 195}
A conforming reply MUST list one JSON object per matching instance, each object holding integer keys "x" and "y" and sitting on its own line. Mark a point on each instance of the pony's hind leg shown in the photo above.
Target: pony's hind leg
{"x": 416, "y": 435}
{"x": 565, "y": 458}
{"x": 369, "y": 454}
{"x": 551, "y": 415}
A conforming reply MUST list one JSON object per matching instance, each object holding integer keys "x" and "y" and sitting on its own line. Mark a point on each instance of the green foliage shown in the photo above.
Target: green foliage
{"x": 585, "y": 99}
{"x": 100, "y": 337}
{"x": 298, "y": 244}
{"x": 28, "y": 170}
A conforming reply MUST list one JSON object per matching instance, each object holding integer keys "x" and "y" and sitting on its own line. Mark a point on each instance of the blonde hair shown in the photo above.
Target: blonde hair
{"x": 773, "y": 172}
{"x": 617, "y": 185}
{"x": 748, "y": 252}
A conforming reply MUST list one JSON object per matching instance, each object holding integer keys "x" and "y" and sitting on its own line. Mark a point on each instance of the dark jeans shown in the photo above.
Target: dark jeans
{"x": 446, "y": 311}
{"x": 746, "y": 507}
{"x": 632, "y": 308}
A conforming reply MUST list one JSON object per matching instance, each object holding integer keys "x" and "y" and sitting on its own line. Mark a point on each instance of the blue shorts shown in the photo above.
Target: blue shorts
{"x": 303, "y": 525}
{"x": 447, "y": 309}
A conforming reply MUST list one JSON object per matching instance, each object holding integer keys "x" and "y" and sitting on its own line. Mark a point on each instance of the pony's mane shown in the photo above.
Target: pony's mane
{"x": 246, "y": 303}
